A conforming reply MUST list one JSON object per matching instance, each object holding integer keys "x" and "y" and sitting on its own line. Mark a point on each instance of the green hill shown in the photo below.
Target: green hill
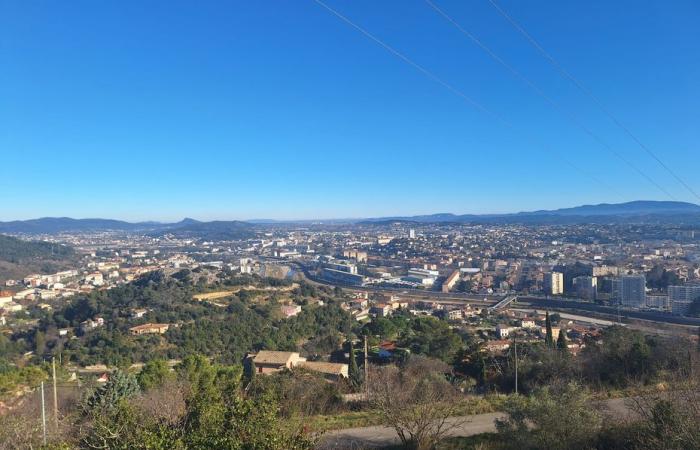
{"x": 19, "y": 258}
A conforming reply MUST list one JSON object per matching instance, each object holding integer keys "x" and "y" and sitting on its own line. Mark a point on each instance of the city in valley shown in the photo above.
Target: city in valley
{"x": 383, "y": 288}
{"x": 502, "y": 305}
{"x": 350, "y": 225}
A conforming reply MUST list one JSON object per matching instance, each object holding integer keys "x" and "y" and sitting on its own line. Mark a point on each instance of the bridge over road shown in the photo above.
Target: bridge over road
{"x": 503, "y": 303}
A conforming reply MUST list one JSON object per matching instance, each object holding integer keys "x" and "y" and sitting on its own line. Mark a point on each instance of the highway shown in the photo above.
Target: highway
{"x": 537, "y": 302}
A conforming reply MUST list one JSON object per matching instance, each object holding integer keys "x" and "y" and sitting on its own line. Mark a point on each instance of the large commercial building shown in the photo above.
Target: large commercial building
{"x": 630, "y": 290}
{"x": 660, "y": 302}
{"x": 586, "y": 287}
{"x": 357, "y": 255}
{"x": 342, "y": 277}
{"x": 450, "y": 282}
{"x": 681, "y": 297}
{"x": 424, "y": 277}
{"x": 553, "y": 283}
{"x": 341, "y": 272}
{"x": 605, "y": 271}
{"x": 341, "y": 266}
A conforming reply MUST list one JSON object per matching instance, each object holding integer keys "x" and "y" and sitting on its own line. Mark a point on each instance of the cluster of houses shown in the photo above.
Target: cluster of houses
{"x": 363, "y": 307}
{"x": 530, "y": 327}
{"x": 42, "y": 289}
{"x": 497, "y": 336}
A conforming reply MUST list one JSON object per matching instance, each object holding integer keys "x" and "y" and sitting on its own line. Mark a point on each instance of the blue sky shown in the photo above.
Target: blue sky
{"x": 277, "y": 109}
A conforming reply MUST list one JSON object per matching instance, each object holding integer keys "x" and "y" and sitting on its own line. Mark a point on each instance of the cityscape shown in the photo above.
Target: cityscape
{"x": 350, "y": 225}
{"x": 496, "y": 284}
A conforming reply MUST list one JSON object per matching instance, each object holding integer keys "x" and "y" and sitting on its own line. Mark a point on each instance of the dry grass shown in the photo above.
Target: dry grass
{"x": 353, "y": 419}
{"x": 230, "y": 292}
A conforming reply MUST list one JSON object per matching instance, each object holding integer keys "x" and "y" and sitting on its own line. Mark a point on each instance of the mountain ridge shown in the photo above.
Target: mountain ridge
{"x": 641, "y": 210}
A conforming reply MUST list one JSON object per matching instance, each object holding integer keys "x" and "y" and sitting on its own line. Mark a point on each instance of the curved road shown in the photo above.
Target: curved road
{"x": 381, "y": 436}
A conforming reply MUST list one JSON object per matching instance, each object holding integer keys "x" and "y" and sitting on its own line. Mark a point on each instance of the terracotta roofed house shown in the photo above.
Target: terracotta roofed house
{"x": 149, "y": 328}
{"x": 267, "y": 361}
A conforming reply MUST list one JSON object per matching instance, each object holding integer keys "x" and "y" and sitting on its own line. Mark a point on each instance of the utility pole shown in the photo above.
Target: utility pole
{"x": 366, "y": 370}
{"x": 515, "y": 349}
{"x": 55, "y": 394}
{"x": 619, "y": 320}
{"x": 43, "y": 413}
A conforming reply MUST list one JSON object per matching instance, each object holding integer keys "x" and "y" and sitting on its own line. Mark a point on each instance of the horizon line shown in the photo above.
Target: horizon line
{"x": 336, "y": 219}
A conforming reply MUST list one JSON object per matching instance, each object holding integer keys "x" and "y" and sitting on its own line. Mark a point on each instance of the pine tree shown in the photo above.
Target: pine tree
{"x": 120, "y": 385}
{"x": 353, "y": 371}
{"x": 562, "y": 343}
{"x": 549, "y": 337}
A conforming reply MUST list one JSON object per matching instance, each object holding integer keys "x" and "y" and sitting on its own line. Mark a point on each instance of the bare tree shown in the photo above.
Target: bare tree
{"x": 669, "y": 419}
{"x": 21, "y": 427}
{"x": 416, "y": 400}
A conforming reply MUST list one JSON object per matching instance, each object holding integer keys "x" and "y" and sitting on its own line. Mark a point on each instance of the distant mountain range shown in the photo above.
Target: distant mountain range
{"x": 186, "y": 228}
{"x": 642, "y": 211}
{"x": 631, "y": 212}
{"x": 640, "y": 207}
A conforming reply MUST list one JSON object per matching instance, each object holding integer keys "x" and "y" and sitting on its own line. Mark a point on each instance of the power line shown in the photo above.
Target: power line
{"x": 590, "y": 94}
{"x": 450, "y": 87}
{"x": 572, "y": 117}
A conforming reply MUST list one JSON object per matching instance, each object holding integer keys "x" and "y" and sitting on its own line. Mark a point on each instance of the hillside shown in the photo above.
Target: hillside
{"x": 216, "y": 230}
{"x": 186, "y": 228}
{"x": 19, "y": 258}
{"x": 59, "y": 224}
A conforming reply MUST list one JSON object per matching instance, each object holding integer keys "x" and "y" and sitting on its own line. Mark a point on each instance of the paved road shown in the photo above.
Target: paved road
{"x": 573, "y": 317}
{"x": 381, "y": 436}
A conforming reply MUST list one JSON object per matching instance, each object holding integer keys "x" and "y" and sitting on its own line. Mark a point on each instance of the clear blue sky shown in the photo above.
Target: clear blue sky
{"x": 277, "y": 109}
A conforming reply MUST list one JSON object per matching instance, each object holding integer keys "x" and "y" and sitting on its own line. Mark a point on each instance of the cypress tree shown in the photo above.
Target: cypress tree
{"x": 549, "y": 337}
{"x": 562, "y": 342}
{"x": 354, "y": 371}
{"x": 482, "y": 370}
{"x": 250, "y": 369}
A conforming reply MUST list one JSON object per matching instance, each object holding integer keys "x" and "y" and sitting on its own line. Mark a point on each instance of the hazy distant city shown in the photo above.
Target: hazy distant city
{"x": 644, "y": 266}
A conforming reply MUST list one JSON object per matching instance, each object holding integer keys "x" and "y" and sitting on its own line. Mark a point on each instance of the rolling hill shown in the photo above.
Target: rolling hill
{"x": 218, "y": 230}
{"x": 19, "y": 258}
{"x": 642, "y": 211}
